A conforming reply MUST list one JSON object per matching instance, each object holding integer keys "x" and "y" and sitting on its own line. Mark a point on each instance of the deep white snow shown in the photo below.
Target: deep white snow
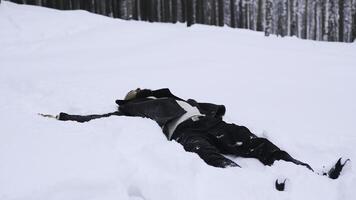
{"x": 299, "y": 94}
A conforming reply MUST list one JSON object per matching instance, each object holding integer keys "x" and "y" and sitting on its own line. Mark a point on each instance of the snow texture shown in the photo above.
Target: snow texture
{"x": 299, "y": 94}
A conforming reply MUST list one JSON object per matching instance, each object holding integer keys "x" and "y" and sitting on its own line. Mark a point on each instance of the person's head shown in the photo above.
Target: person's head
{"x": 132, "y": 94}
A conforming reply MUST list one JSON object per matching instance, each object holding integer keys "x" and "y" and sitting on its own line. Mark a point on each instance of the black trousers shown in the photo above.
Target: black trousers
{"x": 212, "y": 138}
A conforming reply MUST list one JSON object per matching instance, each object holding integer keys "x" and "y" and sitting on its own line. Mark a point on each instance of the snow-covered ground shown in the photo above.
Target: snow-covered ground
{"x": 299, "y": 94}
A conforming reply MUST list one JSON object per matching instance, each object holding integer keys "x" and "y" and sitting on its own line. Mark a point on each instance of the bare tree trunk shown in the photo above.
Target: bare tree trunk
{"x": 221, "y": 12}
{"x": 260, "y": 15}
{"x": 190, "y": 12}
{"x": 269, "y": 7}
{"x": 233, "y": 13}
{"x": 353, "y": 20}
{"x": 174, "y": 11}
{"x": 341, "y": 20}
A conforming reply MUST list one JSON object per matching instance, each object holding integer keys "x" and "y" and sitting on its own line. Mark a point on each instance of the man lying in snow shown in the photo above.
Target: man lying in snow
{"x": 199, "y": 128}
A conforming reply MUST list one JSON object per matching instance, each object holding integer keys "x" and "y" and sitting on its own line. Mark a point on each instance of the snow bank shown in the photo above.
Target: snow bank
{"x": 300, "y": 94}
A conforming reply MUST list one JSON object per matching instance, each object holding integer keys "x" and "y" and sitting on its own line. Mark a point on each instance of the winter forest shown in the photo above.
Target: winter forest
{"x": 235, "y": 67}
{"x": 322, "y": 20}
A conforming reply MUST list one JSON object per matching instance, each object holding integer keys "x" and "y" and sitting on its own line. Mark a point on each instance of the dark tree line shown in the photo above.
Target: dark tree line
{"x": 323, "y": 20}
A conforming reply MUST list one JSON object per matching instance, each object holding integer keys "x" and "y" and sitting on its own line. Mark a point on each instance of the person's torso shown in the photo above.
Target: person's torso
{"x": 191, "y": 111}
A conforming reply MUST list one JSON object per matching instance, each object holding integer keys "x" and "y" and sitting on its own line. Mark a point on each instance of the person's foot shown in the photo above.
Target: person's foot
{"x": 335, "y": 171}
{"x": 280, "y": 184}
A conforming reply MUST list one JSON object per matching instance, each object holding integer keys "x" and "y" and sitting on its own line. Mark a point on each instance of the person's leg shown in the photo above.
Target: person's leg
{"x": 199, "y": 144}
{"x": 267, "y": 152}
{"x": 240, "y": 141}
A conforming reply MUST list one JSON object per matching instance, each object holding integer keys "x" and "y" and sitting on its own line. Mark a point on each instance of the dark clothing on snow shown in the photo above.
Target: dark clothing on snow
{"x": 164, "y": 108}
{"x": 208, "y": 136}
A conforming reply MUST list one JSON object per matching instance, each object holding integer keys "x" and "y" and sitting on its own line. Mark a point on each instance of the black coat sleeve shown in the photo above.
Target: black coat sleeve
{"x": 85, "y": 118}
{"x": 209, "y": 109}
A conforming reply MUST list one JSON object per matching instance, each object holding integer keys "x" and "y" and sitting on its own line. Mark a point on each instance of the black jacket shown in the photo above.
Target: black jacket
{"x": 164, "y": 107}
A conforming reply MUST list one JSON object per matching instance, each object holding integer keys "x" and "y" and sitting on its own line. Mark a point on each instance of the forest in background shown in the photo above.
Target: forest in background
{"x": 322, "y": 20}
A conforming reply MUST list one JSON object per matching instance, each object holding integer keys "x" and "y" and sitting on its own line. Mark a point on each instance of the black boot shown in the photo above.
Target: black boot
{"x": 335, "y": 171}
{"x": 280, "y": 185}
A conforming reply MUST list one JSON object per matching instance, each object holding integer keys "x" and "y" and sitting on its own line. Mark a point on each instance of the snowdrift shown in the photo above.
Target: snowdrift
{"x": 299, "y": 94}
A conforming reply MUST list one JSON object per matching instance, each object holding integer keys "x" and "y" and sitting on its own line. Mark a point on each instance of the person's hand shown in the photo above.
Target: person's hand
{"x": 49, "y": 115}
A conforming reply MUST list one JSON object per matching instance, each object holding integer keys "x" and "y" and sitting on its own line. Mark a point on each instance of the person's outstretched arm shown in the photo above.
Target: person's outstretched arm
{"x": 82, "y": 118}
{"x": 208, "y": 109}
